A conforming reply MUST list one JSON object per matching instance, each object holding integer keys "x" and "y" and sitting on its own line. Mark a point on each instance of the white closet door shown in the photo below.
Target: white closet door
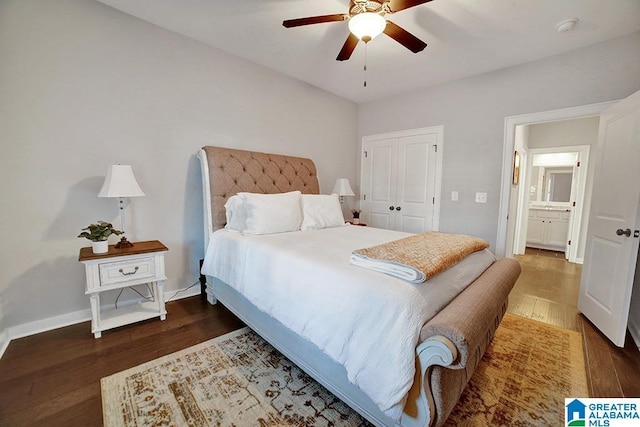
{"x": 400, "y": 180}
{"x": 416, "y": 183}
{"x": 379, "y": 176}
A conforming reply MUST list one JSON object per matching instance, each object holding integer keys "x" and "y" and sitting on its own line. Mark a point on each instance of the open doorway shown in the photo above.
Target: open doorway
{"x": 548, "y": 287}
{"x": 550, "y": 209}
{"x": 510, "y": 193}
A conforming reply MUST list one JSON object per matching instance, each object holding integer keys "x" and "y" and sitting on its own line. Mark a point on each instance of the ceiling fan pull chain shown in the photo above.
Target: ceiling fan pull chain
{"x": 365, "y": 64}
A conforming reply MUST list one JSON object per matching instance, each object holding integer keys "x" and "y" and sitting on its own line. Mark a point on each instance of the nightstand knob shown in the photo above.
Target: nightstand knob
{"x": 131, "y": 273}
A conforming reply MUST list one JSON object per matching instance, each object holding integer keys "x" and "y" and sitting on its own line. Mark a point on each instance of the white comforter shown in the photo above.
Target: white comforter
{"x": 367, "y": 321}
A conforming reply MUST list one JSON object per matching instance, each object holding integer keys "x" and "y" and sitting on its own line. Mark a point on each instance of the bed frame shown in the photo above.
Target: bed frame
{"x": 451, "y": 344}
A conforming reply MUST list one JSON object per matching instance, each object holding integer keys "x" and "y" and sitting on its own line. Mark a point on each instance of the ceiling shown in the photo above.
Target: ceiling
{"x": 465, "y": 37}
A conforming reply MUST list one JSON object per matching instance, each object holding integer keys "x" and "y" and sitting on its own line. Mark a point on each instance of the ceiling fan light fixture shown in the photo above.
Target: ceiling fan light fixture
{"x": 366, "y": 26}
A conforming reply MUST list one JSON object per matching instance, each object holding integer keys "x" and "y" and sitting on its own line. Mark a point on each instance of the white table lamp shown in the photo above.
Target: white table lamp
{"x": 342, "y": 188}
{"x": 120, "y": 182}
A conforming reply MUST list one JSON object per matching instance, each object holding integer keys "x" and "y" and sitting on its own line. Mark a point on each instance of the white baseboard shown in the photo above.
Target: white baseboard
{"x": 51, "y": 323}
{"x": 176, "y": 295}
{"x": 44, "y": 325}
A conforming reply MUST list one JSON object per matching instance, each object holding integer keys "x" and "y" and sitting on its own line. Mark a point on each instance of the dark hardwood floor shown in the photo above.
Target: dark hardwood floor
{"x": 53, "y": 378}
{"x": 547, "y": 291}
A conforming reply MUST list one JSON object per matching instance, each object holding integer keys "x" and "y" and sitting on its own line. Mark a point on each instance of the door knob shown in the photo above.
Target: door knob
{"x": 398, "y": 208}
{"x": 391, "y": 208}
{"x": 621, "y": 232}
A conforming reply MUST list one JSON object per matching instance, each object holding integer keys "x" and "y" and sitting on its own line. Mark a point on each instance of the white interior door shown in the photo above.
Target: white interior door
{"x": 400, "y": 181}
{"x": 415, "y": 200}
{"x": 378, "y": 186}
{"x": 612, "y": 240}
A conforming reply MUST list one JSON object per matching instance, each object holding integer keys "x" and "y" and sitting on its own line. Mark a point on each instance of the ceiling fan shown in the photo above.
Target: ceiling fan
{"x": 366, "y": 21}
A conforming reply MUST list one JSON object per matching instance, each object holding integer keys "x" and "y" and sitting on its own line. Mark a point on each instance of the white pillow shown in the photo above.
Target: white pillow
{"x": 236, "y": 213}
{"x": 272, "y": 213}
{"x": 321, "y": 211}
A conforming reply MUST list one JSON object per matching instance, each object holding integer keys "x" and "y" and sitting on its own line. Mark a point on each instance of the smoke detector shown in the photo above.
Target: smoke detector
{"x": 566, "y": 25}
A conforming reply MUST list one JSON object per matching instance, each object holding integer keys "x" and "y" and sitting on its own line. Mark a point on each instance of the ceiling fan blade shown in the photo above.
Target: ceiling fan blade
{"x": 398, "y": 5}
{"x": 315, "y": 20}
{"x": 348, "y": 48}
{"x": 404, "y": 37}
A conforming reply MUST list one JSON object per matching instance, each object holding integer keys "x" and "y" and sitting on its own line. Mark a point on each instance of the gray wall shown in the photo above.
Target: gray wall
{"x": 564, "y": 133}
{"x": 83, "y": 86}
{"x": 473, "y": 113}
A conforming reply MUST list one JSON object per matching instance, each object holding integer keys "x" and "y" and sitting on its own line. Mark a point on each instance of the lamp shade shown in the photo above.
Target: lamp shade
{"x": 120, "y": 182}
{"x": 343, "y": 188}
{"x": 366, "y": 26}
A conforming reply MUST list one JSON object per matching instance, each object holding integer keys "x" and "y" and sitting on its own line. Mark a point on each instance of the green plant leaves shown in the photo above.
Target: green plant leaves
{"x": 99, "y": 232}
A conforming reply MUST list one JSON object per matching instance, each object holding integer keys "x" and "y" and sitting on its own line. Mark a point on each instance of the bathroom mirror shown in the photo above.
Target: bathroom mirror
{"x": 558, "y": 185}
{"x": 551, "y": 185}
{"x": 551, "y": 178}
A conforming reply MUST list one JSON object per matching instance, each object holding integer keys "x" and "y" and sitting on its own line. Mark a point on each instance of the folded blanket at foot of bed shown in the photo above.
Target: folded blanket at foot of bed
{"x": 419, "y": 257}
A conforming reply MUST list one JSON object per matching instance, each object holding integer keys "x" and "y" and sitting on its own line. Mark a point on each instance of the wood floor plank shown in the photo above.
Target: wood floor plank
{"x": 600, "y": 364}
{"x": 522, "y": 304}
{"x": 557, "y": 314}
{"x": 85, "y": 413}
{"x": 64, "y": 402}
{"x": 541, "y": 310}
{"x": 627, "y": 366}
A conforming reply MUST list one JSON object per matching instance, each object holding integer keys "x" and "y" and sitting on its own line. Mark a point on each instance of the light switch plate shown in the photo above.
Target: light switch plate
{"x": 481, "y": 197}
{"x": 454, "y": 196}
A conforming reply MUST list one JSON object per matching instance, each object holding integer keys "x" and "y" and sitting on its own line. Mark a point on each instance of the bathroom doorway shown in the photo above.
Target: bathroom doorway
{"x": 550, "y": 203}
{"x": 509, "y": 192}
{"x": 551, "y": 211}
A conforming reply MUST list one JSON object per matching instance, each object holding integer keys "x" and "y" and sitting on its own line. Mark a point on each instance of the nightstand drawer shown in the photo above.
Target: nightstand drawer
{"x": 124, "y": 271}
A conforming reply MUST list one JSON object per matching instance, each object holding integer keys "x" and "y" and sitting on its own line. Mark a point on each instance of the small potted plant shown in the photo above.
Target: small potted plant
{"x": 356, "y": 215}
{"x": 99, "y": 235}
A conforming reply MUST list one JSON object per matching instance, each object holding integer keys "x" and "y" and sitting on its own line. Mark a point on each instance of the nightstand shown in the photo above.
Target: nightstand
{"x": 121, "y": 268}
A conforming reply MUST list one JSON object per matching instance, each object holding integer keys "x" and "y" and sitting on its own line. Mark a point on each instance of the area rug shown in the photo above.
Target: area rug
{"x": 240, "y": 380}
{"x": 524, "y": 377}
{"x": 234, "y": 380}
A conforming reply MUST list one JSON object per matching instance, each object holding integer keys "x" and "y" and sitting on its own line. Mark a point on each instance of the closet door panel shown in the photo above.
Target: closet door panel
{"x": 400, "y": 180}
{"x": 379, "y": 182}
{"x": 416, "y": 182}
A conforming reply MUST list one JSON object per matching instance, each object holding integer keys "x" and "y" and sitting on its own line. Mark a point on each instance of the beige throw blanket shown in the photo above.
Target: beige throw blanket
{"x": 419, "y": 257}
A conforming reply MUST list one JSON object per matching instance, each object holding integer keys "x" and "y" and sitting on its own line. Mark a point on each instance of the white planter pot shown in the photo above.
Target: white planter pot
{"x": 356, "y": 220}
{"x": 100, "y": 247}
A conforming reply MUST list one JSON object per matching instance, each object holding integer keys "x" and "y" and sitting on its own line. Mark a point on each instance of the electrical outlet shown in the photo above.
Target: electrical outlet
{"x": 454, "y": 196}
{"x": 481, "y": 197}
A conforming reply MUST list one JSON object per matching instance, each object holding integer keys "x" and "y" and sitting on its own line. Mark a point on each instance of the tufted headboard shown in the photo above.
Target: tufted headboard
{"x": 226, "y": 171}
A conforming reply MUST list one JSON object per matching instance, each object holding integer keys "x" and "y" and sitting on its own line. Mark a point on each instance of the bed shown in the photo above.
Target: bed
{"x": 449, "y": 344}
